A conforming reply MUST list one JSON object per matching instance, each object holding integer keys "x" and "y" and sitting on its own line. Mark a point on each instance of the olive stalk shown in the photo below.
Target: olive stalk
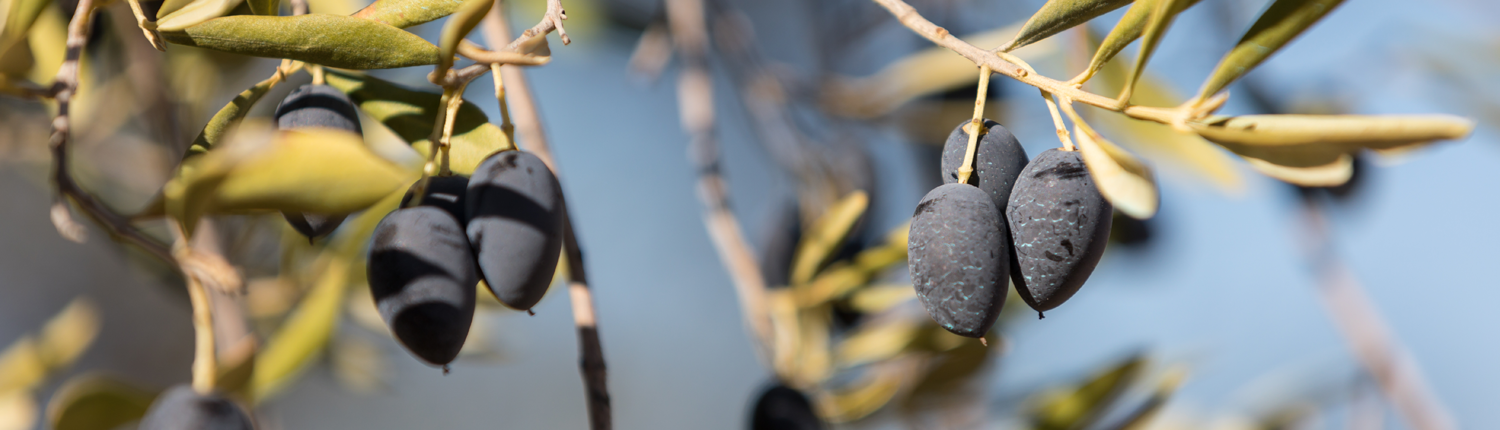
{"x": 976, "y": 125}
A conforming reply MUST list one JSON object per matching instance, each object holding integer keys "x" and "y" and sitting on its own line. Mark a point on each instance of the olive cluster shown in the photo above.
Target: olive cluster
{"x": 502, "y": 225}
{"x": 1042, "y": 224}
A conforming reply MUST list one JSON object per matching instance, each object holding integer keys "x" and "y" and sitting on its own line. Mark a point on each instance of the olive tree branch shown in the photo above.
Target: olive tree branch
{"x": 591, "y": 352}
{"x": 940, "y": 36}
{"x": 686, "y": 20}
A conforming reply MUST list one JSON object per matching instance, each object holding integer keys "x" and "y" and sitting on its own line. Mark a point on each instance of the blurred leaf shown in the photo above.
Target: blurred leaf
{"x": 813, "y": 363}
{"x": 827, "y": 235}
{"x": 410, "y": 114}
{"x": 877, "y": 299}
{"x": 97, "y": 402}
{"x": 329, "y": 40}
{"x": 1162, "y": 14}
{"x": 927, "y": 72}
{"x": 1277, "y": 26}
{"x": 407, "y": 13}
{"x": 844, "y": 276}
{"x": 359, "y": 364}
{"x": 230, "y": 115}
{"x": 952, "y": 370}
{"x": 19, "y": 18}
{"x": 1140, "y": 417}
{"x": 1059, "y": 15}
{"x": 21, "y": 366}
{"x": 15, "y": 57}
{"x": 48, "y": 38}
{"x": 1332, "y": 174}
{"x": 61, "y": 340}
{"x": 1077, "y": 407}
{"x": 867, "y": 395}
{"x": 265, "y": 7}
{"x": 463, "y": 21}
{"x": 1123, "y": 180}
{"x": 307, "y": 330}
{"x": 290, "y": 173}
{"x": 876, "y": 341}
{"x": 195, "y": 13}
{"x": 1123, "y": 34}
{"x": 1314, "y": 150}
{"x": 18, "y": 410}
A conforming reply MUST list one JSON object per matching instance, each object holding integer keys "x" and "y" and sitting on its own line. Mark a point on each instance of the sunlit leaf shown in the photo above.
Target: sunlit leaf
{"x": 1126, "y": 31}
{"x": 1077, "y": 407}
{"x": 48, "y": 38}
{"x": 195, "y": 13}
{"x": 18, "y": 410}
{"x": 68, "y": 334}
{"x": 407, "y": 13}
{"x": 1162, "y": 14}
{"x": 876, "y": 341}
{"x": 865, "y": 396}
{"x": 96, "y": 402}
{"x": 21, "y": 366}
{"x": 827, "y": 235}
{"x": 1314, "y": 150}
{"x": 19, "y": 17}
{"x": 330, "y": 40}
{"x": 1334, "y": 173}
{"x": 1277, "y": 26}
{"x": 953, "y": 369}
{"x": 1123, "y": 179}
{"x": 1140, "y": 417}
{"x": 304, "y": 334}
{"x": 458, "y": 26}
{"x": 410, "y": 114}
{"x": 1058, "y": 15}
{"x": 844, "y": 276}
{"x": 875, "y": 299}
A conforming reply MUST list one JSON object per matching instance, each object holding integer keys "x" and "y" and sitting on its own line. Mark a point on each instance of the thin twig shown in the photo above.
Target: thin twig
{"x": 513, "y": 87}
{"x": 940, "y": 36}
{"x": 695, "y": 101}
{"x": 1369, "y": 338}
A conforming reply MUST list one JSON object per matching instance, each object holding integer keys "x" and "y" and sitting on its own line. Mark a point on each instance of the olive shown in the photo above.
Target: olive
{"x": 182, "y": 408}
{"x": 515, "y": 216}
{"x": 1060, "y": 225}
{"x": 422, "y": 273}
{"x": 959, "y": 258}
{"x": 317, "y": 106}
{"x": 998, "y": 160}
{"x": 784, "y": 408}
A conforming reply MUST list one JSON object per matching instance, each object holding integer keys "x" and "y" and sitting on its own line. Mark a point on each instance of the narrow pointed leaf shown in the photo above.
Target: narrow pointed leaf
{"x": 1126, "y": 31}
{"x": 1295, "y": 171}
{"x": 1123, "y": 179}
{"x": 1277, "y": 26}
{"x": 1162, "y": 14}
{"x": 926, "y": 72}
{"x": 1059, "y": 15}
{"x": 18, "y": 20}
{"x": 1344, "y": 131}
{"x": 229, "y": 115}
{"x": 463, "y": 21}
{"x": 407, "y": 13}
{"x": 330, "y": 40}
{"x": 826, "y": 235}
{"x": 873, "y": 342}
{"x": 97, "y": 402}
{"x": 1079, "y": 406}
{"x": 309, "y": 170}
{"x": 410, "y": 114}
{"x": 196, "y": 12}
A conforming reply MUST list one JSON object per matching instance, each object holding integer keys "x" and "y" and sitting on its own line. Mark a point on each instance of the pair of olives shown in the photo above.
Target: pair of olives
{"x": 502, "y": 225}
{"x": 1043, "y": 224}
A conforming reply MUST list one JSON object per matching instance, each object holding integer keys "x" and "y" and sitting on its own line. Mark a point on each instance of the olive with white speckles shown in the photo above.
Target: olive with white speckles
{"x": 998, "y": 160}
{"x": 1059, "y": 223}
{"x": 959, "y": 258}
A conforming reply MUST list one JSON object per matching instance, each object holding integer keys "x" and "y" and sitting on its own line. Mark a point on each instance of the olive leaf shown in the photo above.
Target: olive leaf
{"x": 58, "y": 344}
{"x": 1277, "y": 26}
{"x": 876, "y": 341}
{"x": 1123, "y": 179}
{"x": 929, "y": 71}
{"x": 20, "y": 16}
{"x": 1126, "y": 31}
{"x": 410, "y": 114}
{"x": 265, "y": 7}
{"x": 866, "y": 395}
{"x": 97, "y": 402}
{"x": 1059, "y": 15}
{"x": 827, "y": 234}
{"x": 1077, "y": 407}
{"x": 842, "y": 277}
{"x": 196, "y": 12}
{"x": 304, "y": 334}
{"x": 879, "y": 298}
{"x": 18, "y": 410}
{"x": 229, "y": 115}
{"x": 407, "y": 13}
{"x": 1314, "y": 150}
{"x": 1160, "y": 18}
{"x": 463, "y": 21}
{"x": 330, "y": 40}
{"x": 1141, "y": 415}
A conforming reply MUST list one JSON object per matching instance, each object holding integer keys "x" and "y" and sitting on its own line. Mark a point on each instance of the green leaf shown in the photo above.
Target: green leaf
{"x": 926, "y": 72}
{"x": 826, "y": 235}
{"x": 97, "y": 402}
{"x": 330, "y": 40}
{"x": 1322, "y": 141}
{"x": 1160, "y": 18}
{"x": 265, "y": 7}
{"x": 407, "y": 13}
{"x": 1077, "y": 407}
{"x": 1059, "y": 15}
{"x": 1278, "y": 25}
{"x": 59, "y": 343}
{"x": 18, "y": 20}
{"x": 230, "y": 115}
{"x": 463, "y": 21}
{"x": 411, "y": 114}
{"x": 196, "y": 12}
{"x": 876, "y": 341}
{"x": 1126, "y": 31}
{"x": 305, "y": 333}
{"x": 1123, "y": 179}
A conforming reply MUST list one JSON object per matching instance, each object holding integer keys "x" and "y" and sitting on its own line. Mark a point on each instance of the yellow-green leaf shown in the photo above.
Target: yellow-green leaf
{"x": 865, "y": 396}
{"x": 18, "y": 410}
{"x": 265, "y": 7}
{"x": 1294, "y": 171}
{"x": 1162, "y": 14}
{"x": 230, "y": 115}
{"x": 196, "y": 12}
{"x": 97, "y": 402}
{"x": 304, "y": 334}
{"x": 330, "y": 40}
{"x": 410, "y": 114}
{"x": 1123, "y": 179}
{"x": 1345, "y": 131}
{"x": 1126, "y": 31}
{"x": 1077, "y": 407}
{"x": 21, "y": 367}
{"x": 826, "y": 235}
{"x": 1278, "y": 25}
{"x": 876, "y": 341}
{"x": 463, "y": 21}
{"x": 879, "y": 298}
{"x": 29, "y": 360}
{"x": 18, "y": 20}
{"x": 1059, "y": 15}
{"x": 407, "y": 13}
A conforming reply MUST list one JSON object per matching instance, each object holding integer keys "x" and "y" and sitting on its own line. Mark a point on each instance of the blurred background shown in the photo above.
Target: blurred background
{"x": 1220, "y": 286}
